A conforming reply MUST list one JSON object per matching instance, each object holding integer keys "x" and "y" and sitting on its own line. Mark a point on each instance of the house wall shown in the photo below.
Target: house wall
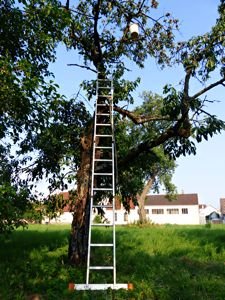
{"x": 122, "y": 217}
{"x": 193, "y": 216}
{"x": 189, "y": 218}
{"x": 174, "y": 214}
{"x": 64, "y": 218}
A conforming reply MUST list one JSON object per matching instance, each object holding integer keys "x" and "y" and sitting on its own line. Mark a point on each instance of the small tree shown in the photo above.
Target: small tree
{"x": 153, "y": 169}
{"x": 35, "y": 212}
{"x": 54, "y": 205}
{"x": 13, "y": 199}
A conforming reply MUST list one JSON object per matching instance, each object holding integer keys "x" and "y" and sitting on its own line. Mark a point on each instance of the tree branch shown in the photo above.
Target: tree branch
{"x": 80, "y": 66}
{"x": 97, "y": 52}
{"x": 211, "y": 86}
{"x": 147, "y": 146}
{"x": 137, "y": 119}
{"x": 186, "y": 83}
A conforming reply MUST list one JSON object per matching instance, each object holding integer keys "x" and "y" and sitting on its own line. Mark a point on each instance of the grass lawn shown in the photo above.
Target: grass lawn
{"x": 162, "y": 262}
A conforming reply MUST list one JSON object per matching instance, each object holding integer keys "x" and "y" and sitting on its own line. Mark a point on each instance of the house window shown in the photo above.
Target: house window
{"x": 115, "y": 217}
{"x": 157, "y": 211}
{"x": 125, "y": 217}
{"x": 172, "y": 211}
{"x": 147, "y": 211}
{"x": 184, "y": 211}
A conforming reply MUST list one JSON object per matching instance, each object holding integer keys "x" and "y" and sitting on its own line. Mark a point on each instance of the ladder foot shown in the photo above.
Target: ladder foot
{"x": 104, "y": 286}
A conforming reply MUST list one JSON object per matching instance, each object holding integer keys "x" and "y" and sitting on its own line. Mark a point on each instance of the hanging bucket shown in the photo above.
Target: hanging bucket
{"x": 134, "y": 30}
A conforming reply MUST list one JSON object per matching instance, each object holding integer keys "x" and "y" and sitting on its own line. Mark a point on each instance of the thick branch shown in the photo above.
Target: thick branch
{"x": 186, "y": 83}
{"x": 147, "y": 187}
{"x": 141, "y": 199}
{"x": 185, "y": 103}
{"x": 145, "y": 147}
{"x": 97, "y": 52}
{"x": 206, "y": 89}
{"x": 137, "y": 119}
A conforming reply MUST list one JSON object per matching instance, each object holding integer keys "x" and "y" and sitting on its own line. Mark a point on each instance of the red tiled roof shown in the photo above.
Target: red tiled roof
{"x": 69, "y": 206}
{"x": 65, "y": 195}
{"x": 182, "y": 199}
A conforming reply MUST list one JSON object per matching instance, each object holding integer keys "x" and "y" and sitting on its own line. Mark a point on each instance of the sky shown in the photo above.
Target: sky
{"x": 202, "y": 173}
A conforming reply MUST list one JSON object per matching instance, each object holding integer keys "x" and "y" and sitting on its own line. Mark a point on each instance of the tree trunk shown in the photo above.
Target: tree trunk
{"x": 78, "y": 242}
{"x": 141, "y": 201}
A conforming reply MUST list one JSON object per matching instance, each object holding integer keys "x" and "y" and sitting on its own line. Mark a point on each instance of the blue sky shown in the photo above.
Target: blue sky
{"x": 204, "y": 172}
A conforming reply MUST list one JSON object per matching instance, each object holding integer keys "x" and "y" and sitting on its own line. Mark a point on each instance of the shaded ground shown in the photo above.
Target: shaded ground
{"x": 163, "y": 262}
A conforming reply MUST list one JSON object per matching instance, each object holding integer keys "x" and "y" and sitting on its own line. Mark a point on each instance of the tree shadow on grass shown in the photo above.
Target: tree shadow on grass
{"x": 36, "y": 262}
{"x": 27, "y": 240}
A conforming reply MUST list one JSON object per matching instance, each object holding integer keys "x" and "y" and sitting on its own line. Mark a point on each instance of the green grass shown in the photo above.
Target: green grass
{"x": 162, "y": 262}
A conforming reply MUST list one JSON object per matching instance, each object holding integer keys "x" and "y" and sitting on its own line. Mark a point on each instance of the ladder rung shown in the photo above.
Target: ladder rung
{"x": 105, "y": 79}
{"x": 104, "y": 135}
{"x": 103, "y": 104}
{"x": 102, "y": 159}
{"x": 103, "y": 147}
{"x": 102, "y": 224}
{"x": 101, "y": 267}
{"x": 102, "y": 189}
{"x": 101, "y": 245}
{"x": 103, "y": 114}
{"x": 107, "y": 124}
{"x": 102, "y": 206}
{"x": 102, "y": 174}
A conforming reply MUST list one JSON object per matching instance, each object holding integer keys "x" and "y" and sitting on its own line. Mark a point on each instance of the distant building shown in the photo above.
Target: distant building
{"x": 185, "y": 210}
{"x": 160, "y": 210}
{"x": 207, "y": 213}
{"x": 66, "y": 217}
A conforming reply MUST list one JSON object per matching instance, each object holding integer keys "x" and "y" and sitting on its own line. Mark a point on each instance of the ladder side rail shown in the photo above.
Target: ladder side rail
{"x": 92, "y": 198}
{"x": 113, "y": 204}
{"x": 113, "y": 184}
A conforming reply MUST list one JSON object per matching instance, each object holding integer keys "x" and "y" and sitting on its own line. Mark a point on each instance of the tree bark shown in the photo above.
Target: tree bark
{"x": 141, "y": 200}
{"x": 78, "y": 242}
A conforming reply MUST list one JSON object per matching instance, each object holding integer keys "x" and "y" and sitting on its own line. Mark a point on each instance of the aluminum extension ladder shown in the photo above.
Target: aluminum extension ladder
{"x": 102, "y": 188}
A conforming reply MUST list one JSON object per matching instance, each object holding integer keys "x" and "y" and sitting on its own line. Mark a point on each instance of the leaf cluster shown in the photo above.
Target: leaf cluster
{"x": 204, "y": 54}
{"x": 99, "y": 31}
{"x": 148, "y": 164}
{"x": 14, "y": 198}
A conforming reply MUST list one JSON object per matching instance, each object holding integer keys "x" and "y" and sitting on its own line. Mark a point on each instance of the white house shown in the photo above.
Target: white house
{"x": 123, "y": 217}
{"x": 159, "y": 210}
{"x": 183, "y": 211}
